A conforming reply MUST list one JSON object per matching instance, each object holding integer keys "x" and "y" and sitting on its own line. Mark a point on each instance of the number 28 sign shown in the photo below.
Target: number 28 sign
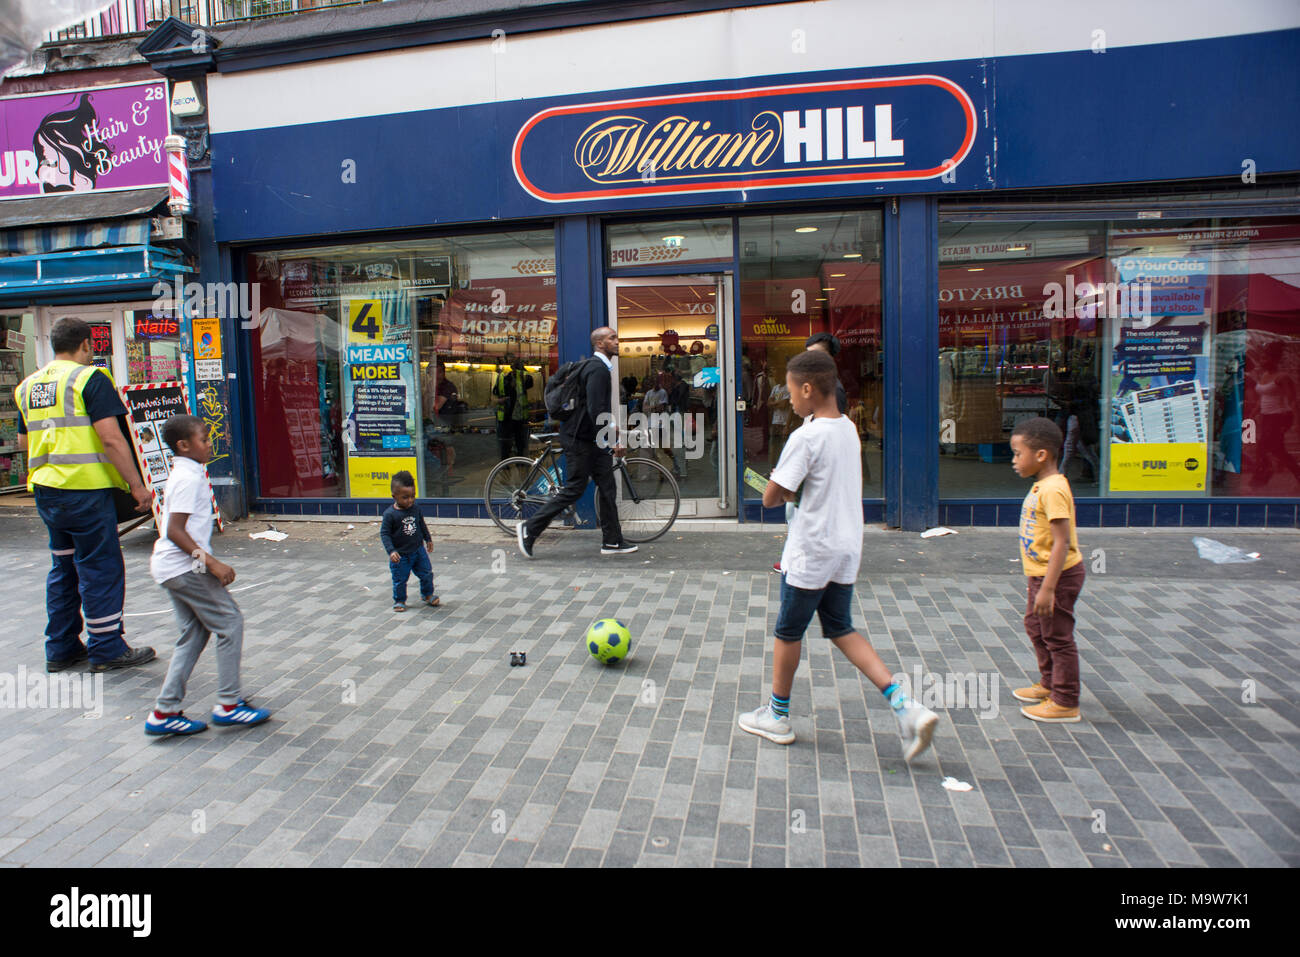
{"x": 365, "y": 321}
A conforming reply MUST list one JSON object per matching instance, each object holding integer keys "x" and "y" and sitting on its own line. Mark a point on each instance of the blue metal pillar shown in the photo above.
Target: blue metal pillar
{"x": 580, "y": 301}
{"x": 911, "y": 332}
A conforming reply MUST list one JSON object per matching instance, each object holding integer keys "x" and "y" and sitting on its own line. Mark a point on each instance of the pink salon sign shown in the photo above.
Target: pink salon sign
{"x": 102, "y": 138}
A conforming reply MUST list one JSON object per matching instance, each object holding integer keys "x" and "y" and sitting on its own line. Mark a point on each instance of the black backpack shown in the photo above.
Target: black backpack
{"x": 565, "y": 393}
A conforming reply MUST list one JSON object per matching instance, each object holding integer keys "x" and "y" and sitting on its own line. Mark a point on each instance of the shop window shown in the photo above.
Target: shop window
{"x": 17, "y": 362}
{"x": 428, "y": 357}
{"x": 153, "y": 347}
{"x": 802, "y": 274}
{"x": 1168, "y": 354}
{"x": 1002, "y": 358}
{"x": 676, "y": 242}
{"x": 1209, "y": 389}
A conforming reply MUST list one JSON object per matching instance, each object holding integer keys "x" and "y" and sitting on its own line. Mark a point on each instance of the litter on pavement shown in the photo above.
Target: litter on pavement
{"x": 937, "y": 531}
{"x": 1222, "y": 554}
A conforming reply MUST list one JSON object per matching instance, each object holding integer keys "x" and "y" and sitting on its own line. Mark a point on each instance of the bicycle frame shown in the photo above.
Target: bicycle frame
{"x": 546, "y": 464}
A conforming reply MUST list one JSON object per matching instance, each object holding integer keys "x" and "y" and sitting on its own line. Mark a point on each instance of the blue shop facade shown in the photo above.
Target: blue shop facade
{"x": 1049, "y": 221}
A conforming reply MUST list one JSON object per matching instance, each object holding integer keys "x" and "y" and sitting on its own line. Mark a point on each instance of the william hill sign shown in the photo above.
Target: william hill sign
{"x": 845, "y": 131}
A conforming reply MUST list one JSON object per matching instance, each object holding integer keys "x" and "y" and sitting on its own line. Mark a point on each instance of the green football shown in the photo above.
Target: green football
{"x": 608, "y": 640}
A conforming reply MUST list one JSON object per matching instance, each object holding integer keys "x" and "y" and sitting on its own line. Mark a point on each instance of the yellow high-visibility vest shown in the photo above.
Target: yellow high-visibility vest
{"x": 63, "y": 448}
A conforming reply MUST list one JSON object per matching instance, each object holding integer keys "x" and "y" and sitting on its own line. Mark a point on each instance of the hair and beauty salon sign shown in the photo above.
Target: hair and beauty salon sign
{"x": 102, "y": 138}
{"x": 803, "y": 134}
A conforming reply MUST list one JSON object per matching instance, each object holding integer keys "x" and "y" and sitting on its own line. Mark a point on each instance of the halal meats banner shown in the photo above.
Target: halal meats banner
{"x": 801, "y": 134}
{"x": 73, "y": 141}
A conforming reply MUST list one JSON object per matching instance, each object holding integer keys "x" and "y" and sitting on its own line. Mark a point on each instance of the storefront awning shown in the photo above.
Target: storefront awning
{"x": 64, "y": 221}
{"x": 106, "y": 271}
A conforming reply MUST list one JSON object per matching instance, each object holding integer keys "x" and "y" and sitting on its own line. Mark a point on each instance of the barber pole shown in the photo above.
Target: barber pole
{"x": 178, "y": 175}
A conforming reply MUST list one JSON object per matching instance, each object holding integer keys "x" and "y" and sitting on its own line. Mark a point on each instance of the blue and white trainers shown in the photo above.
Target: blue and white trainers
{"x": 172, "y": 724}
{"x": 242, "y": 714}
{"x": 916, "y": 724}
{"x": 768, "y": 725}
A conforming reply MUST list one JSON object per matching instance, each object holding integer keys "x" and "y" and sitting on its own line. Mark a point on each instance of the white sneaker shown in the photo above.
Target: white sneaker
{"x": 916, "y": 724}
{"x": 766, "y": 724}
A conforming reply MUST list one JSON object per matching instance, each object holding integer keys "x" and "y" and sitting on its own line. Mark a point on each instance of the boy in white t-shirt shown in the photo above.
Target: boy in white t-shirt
{"x": 823, "y": 550}
{"x": 196, "y": 583}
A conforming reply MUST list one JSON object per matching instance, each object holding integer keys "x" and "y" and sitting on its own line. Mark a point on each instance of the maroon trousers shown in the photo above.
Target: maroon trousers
{"x": 1053, "y": 638}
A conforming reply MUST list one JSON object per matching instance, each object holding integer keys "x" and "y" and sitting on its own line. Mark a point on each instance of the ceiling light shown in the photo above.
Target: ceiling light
{"x": 975, "y": 269}
{"x": 805, "y": 229}
{"x": 853, "y": 255}
{"x": 838, "y": 275}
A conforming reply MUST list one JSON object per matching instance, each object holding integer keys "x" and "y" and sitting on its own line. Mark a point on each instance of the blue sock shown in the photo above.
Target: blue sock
{"x": 780, "y": 706}
{"x": 895, "y": 695}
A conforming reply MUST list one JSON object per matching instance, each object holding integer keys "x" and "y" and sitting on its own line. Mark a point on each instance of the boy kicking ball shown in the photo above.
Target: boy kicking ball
{"x": 196, "y": 582}
{"x": 823, "y": 550}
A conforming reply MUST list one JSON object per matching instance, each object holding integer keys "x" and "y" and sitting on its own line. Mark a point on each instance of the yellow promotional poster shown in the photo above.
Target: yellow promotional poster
{"x": 1163, "y": 467}
{"x": 372, "y": 476}
{"x": 365, "y": 321}
{"x": 207, "y": 338}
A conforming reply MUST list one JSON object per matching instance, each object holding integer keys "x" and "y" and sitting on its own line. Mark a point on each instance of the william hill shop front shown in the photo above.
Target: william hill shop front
{"x": 994, "y": 226}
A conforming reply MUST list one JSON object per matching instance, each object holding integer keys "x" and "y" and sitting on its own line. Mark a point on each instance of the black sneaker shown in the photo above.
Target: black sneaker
{"x": 622, "y": 549}
{"x": 525, "y": 546}
{"x": 53, "y": 666}
{"x": 136, "y": 656}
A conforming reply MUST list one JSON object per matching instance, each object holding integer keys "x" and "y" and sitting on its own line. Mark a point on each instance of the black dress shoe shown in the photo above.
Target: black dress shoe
{"x": 136, "y": 656}
{"x": 65, "y": 663}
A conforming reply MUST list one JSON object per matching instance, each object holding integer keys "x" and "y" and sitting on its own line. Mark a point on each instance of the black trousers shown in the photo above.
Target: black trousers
{"x": 513, "y": 436}
{"x": 583, "y": 461}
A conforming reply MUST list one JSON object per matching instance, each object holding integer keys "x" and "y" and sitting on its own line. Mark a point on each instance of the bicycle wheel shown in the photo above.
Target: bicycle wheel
{"x": 507, "y": 499}
{"x": 648, "y": 499}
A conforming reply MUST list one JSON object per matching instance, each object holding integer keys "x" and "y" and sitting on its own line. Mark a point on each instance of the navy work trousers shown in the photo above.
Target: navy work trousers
{"x": 87, "y": 572}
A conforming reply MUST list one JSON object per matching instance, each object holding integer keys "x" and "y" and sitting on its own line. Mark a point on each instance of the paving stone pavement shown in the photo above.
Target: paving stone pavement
{"x": 403, "y": 740}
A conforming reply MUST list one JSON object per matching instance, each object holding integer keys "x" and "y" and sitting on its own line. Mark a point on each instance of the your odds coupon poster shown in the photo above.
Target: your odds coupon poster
{"x": 379, "y": 402}
{"x": 1159, "y": 431}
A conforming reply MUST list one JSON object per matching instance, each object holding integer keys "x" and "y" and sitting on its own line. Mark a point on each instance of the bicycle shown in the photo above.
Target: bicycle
{"x": 647, "y": 494}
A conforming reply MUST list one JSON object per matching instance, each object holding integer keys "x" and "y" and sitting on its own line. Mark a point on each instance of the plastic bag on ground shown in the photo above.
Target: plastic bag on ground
{"x": 1222, "y": 554}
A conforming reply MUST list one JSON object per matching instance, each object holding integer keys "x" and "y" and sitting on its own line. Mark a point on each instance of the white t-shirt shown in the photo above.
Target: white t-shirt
{"x": 189, "y": 492}
{"x": 824, "y": 543}
{"x": 780, "y": 414}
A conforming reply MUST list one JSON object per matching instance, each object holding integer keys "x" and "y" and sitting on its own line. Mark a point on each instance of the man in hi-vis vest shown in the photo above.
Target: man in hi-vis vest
{"x": 511, "y": 401}
{"x": 76, "y": 456}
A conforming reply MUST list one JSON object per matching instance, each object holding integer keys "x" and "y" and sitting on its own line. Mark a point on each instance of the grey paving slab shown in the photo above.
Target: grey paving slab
{"x": 402, "y": 741}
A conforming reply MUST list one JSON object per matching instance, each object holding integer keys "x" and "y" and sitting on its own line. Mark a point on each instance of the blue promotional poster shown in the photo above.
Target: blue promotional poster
{"x": 1160, "y": 386}
{"x": 380, "y": 396}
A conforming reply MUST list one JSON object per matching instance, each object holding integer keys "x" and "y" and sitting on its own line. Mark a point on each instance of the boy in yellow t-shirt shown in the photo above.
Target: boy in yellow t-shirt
{"x": 1049, "y": 552}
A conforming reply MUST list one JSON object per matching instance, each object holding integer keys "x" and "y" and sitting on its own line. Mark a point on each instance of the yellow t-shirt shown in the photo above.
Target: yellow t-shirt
{"x": 1047, "y": 501}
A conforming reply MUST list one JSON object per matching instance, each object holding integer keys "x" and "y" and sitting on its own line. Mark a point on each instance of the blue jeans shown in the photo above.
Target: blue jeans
{"x": 87, "y": 572}
{"x": 833, "y": 605}
{"x": 418, "y": 562}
